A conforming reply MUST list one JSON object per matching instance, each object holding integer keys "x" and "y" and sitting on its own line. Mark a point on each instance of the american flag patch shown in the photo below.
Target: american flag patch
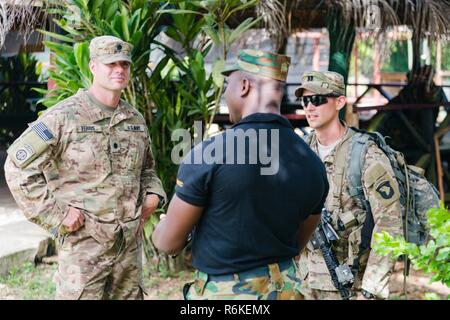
{"x": 42, "y": 131}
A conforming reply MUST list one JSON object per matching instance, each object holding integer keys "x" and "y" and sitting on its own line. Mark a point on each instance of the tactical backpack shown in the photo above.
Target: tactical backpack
{"x": 417, "y": 195}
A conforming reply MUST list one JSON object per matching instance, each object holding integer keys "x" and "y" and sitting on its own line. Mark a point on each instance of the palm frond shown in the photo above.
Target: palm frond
{"x": 273, "y": 13}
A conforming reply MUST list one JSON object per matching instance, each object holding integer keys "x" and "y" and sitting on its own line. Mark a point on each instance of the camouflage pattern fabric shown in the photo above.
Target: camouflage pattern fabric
{"x": 381, "y": 190}
{"x": 109, "y": 49}
{"x": 88, "y": 270}
{"x": 313, "y": 294}
{"x": 276, "y": 285}
{"x": 326, "y": 83}
{"x": 261, "y": 63}
{"x": 78, "y": 155}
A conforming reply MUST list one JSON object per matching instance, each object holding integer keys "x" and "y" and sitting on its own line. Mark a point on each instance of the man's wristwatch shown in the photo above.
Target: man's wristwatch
{"x": 367, "y": 294}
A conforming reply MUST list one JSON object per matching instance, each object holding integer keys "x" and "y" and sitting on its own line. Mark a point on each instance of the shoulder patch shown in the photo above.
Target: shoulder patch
{"x": 385, "y": 190}
{"x": 28, "y": 147}
{"x": 382, "y": 183}
{"x": 43, "y": 132}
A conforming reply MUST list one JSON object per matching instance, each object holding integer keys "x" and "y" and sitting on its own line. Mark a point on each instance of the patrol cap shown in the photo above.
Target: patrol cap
{"x": 261, "y": 63}
{"x": 326, "y": 82}
{"x": 109, "y": 49}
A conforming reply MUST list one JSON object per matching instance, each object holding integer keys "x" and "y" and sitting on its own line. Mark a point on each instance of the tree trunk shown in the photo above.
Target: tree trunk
{"x": 342, "y": 36}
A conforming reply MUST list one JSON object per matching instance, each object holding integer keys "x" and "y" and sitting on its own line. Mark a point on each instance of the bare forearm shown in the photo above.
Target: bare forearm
{"x": 164, "y": 242}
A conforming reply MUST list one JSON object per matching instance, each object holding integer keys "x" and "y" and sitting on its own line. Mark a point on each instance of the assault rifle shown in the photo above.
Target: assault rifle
{"x": 322, "y": 239}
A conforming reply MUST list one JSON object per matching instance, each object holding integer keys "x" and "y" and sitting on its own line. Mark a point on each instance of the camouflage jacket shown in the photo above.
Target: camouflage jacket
{"x": 76, "y": 154}
{"x": 374, "y": 270}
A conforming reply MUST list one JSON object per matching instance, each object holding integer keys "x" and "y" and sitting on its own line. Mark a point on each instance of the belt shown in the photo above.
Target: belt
{"x": 248, "y": 274}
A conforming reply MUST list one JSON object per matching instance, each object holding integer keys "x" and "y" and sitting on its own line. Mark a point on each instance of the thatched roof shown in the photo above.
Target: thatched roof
{"x": 20, "y": 14}
{"x": 428, "y": 18}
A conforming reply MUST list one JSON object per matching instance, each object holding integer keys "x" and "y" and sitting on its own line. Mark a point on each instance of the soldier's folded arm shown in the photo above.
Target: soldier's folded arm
{"x": 382, "y": 191}
{"x": 30, "y": 166}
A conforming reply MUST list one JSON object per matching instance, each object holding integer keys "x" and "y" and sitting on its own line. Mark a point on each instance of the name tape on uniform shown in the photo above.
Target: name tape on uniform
{"x": 89, "y": 128}
{"x": 134, "y": 127}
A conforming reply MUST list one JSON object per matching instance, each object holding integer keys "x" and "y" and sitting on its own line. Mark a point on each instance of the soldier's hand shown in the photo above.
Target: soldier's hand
{"x": 149, "y": 206}
{"x": 74, "y": 220}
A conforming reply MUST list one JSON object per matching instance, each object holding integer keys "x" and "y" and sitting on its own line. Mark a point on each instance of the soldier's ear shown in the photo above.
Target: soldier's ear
{"x": 92, "y": 66}
{"x": 244, "y": 86}
{"x": 340, "y": 103}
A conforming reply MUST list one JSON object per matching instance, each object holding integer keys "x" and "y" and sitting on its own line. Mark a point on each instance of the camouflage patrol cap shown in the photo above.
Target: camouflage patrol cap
{"x": 109, "y": 49}
{"x": 261, "y": 63}
{"x": 326, "y": 82}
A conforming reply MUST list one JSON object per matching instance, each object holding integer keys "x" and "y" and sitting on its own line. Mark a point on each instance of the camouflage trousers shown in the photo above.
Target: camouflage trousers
{"x": 88, "y": 269}
{"x": 276, "y": 281}
{"x": 315, "y": 294}
{"x": 318, "y": 294}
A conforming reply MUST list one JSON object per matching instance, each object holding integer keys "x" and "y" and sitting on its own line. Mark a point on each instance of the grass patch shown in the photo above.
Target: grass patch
{"x": 29, "y": 282}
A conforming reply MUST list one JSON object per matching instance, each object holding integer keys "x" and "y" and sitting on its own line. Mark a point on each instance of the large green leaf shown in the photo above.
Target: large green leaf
{"x": 244, "y": 26}
{"x": 217, "y": 76}
{"x": 56, "y": 36}
{"x": 81, "y": 51}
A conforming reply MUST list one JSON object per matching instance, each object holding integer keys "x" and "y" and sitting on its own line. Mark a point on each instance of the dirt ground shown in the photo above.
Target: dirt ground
{"x": 35, "y": 282}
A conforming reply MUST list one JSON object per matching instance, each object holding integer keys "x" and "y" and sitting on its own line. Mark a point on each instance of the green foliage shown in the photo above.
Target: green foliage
{"x": 445, "y": 54}
{"x": 395, "y": 61}
{"x": 398, "y": 57}
{"x": 29, "y": 282}
{"x": 20, "y": 68}
{"x": 17, "y": 100}
{"x": 432, "y": 257}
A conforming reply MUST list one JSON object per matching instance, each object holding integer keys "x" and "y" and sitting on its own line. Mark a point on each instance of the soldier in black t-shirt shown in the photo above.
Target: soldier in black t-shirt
{"x": 254, "y": 193}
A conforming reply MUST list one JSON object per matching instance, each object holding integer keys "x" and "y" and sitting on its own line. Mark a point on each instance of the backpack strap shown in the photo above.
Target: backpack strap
{"x": 357, "y": 154}
{"x": 310, "y": 138}
{"x": 340, "y": 160}
{"x": 358, "y": 150}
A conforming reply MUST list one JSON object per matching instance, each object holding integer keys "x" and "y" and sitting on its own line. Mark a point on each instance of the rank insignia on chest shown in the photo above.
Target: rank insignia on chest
{"x": 134, "y": 127}
{"x": 115, "y": 146}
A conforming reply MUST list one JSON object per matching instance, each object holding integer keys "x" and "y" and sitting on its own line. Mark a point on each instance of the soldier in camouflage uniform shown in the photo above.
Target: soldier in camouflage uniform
{"x": 248, "y": 226}
{"x": 322, "y": 96}
{"x": 84, "y": 171}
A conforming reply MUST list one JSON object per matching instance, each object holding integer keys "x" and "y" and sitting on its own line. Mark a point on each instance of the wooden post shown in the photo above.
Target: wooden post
{"x": 316, "y": 54}
{"x": 438, "y": 79}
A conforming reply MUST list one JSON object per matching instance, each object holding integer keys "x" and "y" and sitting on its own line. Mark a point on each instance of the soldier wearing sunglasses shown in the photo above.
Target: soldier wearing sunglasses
{"x": 322, "y": 96}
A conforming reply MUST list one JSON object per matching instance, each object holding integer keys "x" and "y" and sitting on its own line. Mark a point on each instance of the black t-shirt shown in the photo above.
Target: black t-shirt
{"x": 253, "y": 204}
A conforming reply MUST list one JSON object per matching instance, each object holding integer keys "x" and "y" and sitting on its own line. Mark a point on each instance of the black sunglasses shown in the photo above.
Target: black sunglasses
{"x": 316, "y": 100}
